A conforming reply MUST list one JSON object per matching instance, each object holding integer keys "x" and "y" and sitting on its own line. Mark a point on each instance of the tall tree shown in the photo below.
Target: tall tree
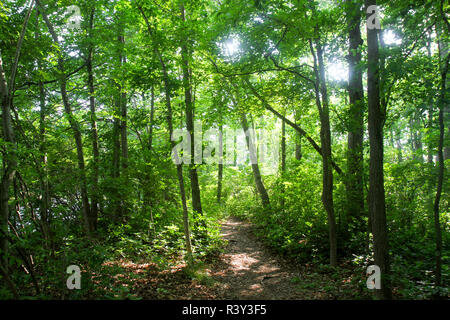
{"x": 89, "y": 222}
{"x": 322, "y": 103}
{"x": 220, "y": 165}
{"x": 189, "y": 104}
{"x": 444, "y": 60}
{"x": 354, "y": 185}
{"x": 254, "y": 162}
{"x": 377, "y": 207}
{"x": 298, "y": 139}
{"x": 10, "y": 159}
{"x": 167, "y": 91}
{"x": 93, "y": 119}
{"x": 43, "y": 161}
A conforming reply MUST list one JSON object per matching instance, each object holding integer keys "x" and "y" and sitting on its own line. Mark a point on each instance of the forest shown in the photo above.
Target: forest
{"x": 224, "y": 149}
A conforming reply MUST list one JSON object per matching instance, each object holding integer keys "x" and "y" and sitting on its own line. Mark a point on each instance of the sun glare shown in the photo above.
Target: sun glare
{"x": 390, "y": 38}
{"x": 337, "y": 71}
{"x": 231, "y": 47}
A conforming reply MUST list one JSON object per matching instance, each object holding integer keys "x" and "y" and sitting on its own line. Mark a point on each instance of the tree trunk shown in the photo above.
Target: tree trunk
{"x": 298, "y": 140}
{"x": 377, "y": 208}
{"x": 399, "y": 146}
{"x": 444, "y": 64}
{"x": 10, "y": 160}
{"x": 430, "y": 126}
{"x": 123, "y": 115}
{"x": 179, "y": 167}
{"x": 89, "y": 227}
{"x": 444, "y": 53}
{"x": 283, "y": 163}
{"x": 9, "y": 167}
{"x": 220, "y": 165}
{"x": 325, "y": 138}
{"x": 43, "y": 165}
{"x": 283, "y": 147}
{"x": 123, "y": 129}
{"x": 45, "y": 194}
{"x": 416, "y": 138}
{"x": 116, "y": 138}
{"x": 147, "y": 177}
{"x": 255, "y": 168}
{"x": 430, "y": 108}
{"x": 195, "y": 187}
{"x": 94, "y": 133}
{"x": 354, "y": 185}
{"x": 152, "y": 116}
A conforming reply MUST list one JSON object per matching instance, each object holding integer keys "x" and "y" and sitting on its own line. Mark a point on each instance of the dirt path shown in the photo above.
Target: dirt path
{"x": 247, "y": 270}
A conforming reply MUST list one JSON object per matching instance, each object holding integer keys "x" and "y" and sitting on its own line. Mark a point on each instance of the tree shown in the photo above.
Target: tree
{"x": 88, "y": 219}
{"x": 10, "y": 166}
{"x": 355, "y": 191}
{"x": 377, "y": 206}
{"x": 444, "y": 58}
{"x": 93, "y": 119}
{"x": 167, "y": 89}
{"x": 188, "y": 100}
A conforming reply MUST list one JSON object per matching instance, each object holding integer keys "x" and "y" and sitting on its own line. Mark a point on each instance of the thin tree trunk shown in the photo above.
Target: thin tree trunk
{"x": 399, "y": 147}
{"x": 430, "y": 108}
{"x": 123, "y": 128}
{"x": 255, "y": 168}
{"x": 220, "y": 165}
{"x": 86, "y": 212}
{"x": 416, "y": 139}
{"x": 283, "y": 147}
{"x": 444, "y": 53}
{"x": 354, "y": 185}
{"x": 187, "y": 85}
{"x": 298, "y": 140}
{"x": 283, "y": 162}
{"x": 377, "y": 208}
{"x": 430, "y": 125}
{"x": 179, "y": 167}
{"x": 152, "y": 116}
{"x": 43, "y": 165}
{"x": 118, "y": 159}
{"x": 325, "y": 138}
{"x": 10, "y": 161}
{"x": 94, "y": 132}
{"x": 147, "y": 195}
{"x": 116, "y": 138}
{"x": 442, "y": 103}
{"x": 123, "y": 116}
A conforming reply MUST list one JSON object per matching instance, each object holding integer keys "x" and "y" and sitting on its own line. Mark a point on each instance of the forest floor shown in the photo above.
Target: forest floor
{"x": 246, "y": 269}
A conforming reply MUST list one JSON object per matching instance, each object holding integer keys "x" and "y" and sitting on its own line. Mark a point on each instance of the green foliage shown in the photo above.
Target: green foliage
{"x": 140, "y": 212}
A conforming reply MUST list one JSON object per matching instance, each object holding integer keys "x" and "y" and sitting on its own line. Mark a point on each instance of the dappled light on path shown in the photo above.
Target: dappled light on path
{"x": 247, "y": 270}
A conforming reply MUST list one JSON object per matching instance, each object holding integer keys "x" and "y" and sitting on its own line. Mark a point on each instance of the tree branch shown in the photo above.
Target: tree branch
{"x": 293, "y": 125}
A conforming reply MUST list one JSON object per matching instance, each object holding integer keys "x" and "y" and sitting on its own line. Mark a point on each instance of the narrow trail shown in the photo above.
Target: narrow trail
{"x": 246, "y": 270}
